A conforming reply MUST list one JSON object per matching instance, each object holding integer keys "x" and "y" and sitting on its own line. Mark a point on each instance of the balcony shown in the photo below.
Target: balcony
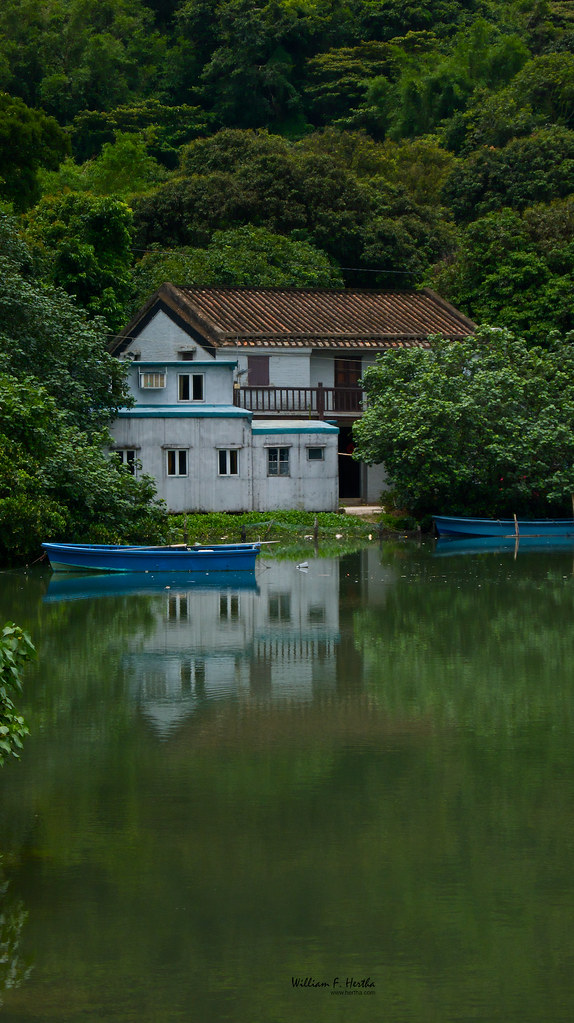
{"x": 314, "y": 402}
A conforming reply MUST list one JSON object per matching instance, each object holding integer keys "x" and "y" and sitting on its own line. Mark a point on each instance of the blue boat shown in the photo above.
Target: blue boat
{"x": 71, "y": 557}
{"x": 448, "y": 546}
{"x": 504, "y": 528}
{"x": 65, "y": 586}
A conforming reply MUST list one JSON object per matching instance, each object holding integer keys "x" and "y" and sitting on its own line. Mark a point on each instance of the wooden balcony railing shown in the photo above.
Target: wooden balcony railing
{"x": 302, "y": 401}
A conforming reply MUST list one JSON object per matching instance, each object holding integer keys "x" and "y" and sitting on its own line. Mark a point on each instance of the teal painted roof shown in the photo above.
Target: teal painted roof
{"x": 186, "y": 366}
{"x": 184, "y": 412}
{"x": 293, "y": 426}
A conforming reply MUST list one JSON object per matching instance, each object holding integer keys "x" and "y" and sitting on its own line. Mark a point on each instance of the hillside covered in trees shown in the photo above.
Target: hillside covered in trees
{"x": 372, "y": 143}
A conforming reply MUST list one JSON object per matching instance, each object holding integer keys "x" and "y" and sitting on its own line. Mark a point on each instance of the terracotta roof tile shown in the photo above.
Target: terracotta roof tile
{"x": 292, "y": 317}
{"x": 277, "y": 313}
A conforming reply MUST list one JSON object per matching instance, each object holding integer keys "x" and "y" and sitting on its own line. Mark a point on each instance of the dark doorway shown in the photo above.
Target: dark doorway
{"x": 349, "y": 469}
{"x": 348, "y": 372}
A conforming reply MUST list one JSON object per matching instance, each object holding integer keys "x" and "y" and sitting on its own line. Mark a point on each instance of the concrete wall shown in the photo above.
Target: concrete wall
{"x": 287, "y": 368}
{"x": 375, "y": 484}
{"x": 311, "y": 485}
{"x": 322, "y": 369}
{"x": 161, "y": 338}
{"x": 217, "y": 382}
{"x": 202, "y": 436}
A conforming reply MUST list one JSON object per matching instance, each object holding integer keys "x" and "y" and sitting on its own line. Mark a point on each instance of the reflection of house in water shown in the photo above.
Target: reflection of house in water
{"x": 275, "y": 641}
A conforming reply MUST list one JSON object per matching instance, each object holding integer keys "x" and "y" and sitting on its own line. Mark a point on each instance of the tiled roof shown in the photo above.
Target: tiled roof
{"x": 343, "y": 341}
{"x": 292, "y": 317}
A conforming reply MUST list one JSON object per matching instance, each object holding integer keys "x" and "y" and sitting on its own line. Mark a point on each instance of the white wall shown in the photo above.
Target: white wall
{"x": 322, "y": 369}
{"x": 376, "y": 483}
{"x": 202, "y": 489}
{"x": 287, "y": 367}
{"x": 311, "y": 485}
{"x": 161, "y": 338}
{"x": 217, "y": 378}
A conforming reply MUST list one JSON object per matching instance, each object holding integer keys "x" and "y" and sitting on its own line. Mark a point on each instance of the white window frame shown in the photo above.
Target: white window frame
{"x": 125, "y": 459}
{"x": 230, "y": 461}
{"x": 152, "y": 380}
{"x": 179, "y": 459}
{"x": 190, "y": 378}
{"x": 281, "y": 467}
{"x": 316, "y": 458}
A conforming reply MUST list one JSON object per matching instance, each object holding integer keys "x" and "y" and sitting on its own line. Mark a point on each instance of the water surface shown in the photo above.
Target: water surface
{"x": 325, "y": 793}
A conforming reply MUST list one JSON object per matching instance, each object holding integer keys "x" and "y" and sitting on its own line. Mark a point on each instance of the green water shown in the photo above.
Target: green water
{"x": 343, "y": 793}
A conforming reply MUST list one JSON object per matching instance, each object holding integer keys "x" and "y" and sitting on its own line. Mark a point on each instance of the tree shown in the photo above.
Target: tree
{"x": 72, "y": 55}
{"x": 83, "y": 243}
{"x": 59, "y": 389}
{"x": 44, "y": 334}
{"x": 482, "y": 427}
{"x": 28, "y": 140}
{"x": 16, "y": 648}
{"x": 333, "y": 197}
{"x": 241, "y": 256}
{"x": 56, "y": 481}
{"x": 337, "y": 81}
{"x": 515, "y": 270}
{"x": 539, "y": 168}
{"x": 123, "y": 168}
{"x": 165, "y": 129}
{"x": 546, "y": 84}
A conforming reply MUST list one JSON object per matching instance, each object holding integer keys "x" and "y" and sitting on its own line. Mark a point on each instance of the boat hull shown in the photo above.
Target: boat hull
{"x": 122, "y": 558}
{"x": 447, "y": 525}
{"x": 449, "y": 546}
{"x": 80, "y": 585}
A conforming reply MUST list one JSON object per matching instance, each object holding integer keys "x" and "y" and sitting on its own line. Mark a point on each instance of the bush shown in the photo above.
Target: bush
{"x": 15, "y": 649}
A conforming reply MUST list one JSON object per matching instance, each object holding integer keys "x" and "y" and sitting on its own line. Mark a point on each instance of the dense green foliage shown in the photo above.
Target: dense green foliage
{"x": 15, "y": 649}
{"x": 484, "y": 427}
{"x": 233, "y": 257}
{"x": 371, "y": 143}
{"x": 59, "y": 388}
{"x": 379, "y": 133}
{"x": 290, "y": 527}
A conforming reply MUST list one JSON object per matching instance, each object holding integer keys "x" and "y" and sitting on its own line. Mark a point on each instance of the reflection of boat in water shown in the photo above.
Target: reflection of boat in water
{"x": 82, "y": 586}
{"x": 446, "y": 547}
{"x": 448, "y": 525}
{"x": 222, "y": 557}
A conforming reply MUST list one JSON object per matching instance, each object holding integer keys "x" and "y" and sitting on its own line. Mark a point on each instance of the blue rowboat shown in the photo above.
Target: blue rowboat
{"x": 451, "y": 545}
{"x": 70, "y": 557}
{"x": 65, "y": 586}
{"x": 504, "y": 528}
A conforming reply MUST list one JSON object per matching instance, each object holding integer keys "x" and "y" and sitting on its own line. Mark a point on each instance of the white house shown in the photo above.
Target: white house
{"x": 206, "y": 454}
{"x": 246, "y": 397}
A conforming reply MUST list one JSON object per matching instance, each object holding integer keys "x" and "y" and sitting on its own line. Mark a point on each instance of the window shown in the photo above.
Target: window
{"x": 258, "y": 371}
{"x": 278, "y": 461}
{"x": 190, "y": 387}
{"x": 177, "y": 607}
{"x": 279, "y": 607}
{"x": 348, "y": 372}
{"x": 176, "y": 461}
{"x": 316, "y": 454}
{"x": 228, "y": 462}
{"x": 127, "y": 456}
{"x": 229, "y": 607}
{"x": 152, "y": 381}
{"x": 316, "y": 614}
